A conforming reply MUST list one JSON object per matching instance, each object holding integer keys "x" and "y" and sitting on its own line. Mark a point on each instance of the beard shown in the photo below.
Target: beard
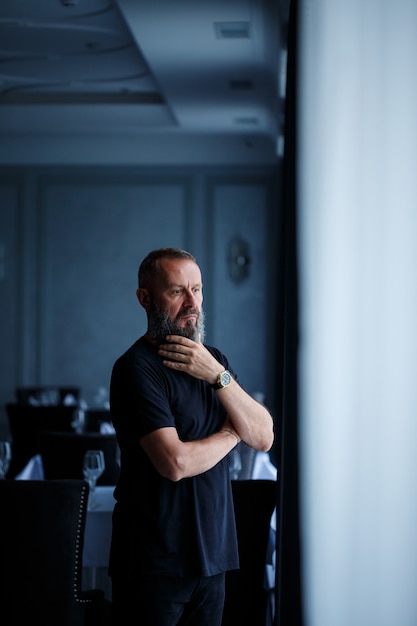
{"x": 160, "y": 325}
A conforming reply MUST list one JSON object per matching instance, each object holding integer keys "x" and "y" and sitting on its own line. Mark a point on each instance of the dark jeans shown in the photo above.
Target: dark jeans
{"x": 168, "y": 601}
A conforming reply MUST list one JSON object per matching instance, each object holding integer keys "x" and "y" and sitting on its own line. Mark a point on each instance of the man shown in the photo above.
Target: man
{"x": 178, "y": 411}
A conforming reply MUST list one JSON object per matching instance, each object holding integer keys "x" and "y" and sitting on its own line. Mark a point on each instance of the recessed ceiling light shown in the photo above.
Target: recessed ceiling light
{"x": 232, "y": 30}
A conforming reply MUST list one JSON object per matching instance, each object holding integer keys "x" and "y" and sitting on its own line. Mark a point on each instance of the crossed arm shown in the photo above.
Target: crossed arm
{"x": 248, "y": 420}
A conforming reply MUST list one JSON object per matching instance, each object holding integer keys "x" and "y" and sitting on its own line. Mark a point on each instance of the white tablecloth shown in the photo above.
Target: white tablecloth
{"x": 33, "y": 470}
{"x": 97, "y": 534}
{"x": 97, "y": 537}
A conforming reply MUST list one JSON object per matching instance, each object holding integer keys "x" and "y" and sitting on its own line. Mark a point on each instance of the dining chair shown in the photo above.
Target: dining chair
{"x": 26, "y": 422}
{"x": 41, "y": 545}
{"x": 62, "y": 454}
{"x": 246, "y": 601}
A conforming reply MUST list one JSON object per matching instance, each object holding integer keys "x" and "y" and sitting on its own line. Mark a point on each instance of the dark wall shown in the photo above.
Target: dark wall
{"x": 70, "y": 244}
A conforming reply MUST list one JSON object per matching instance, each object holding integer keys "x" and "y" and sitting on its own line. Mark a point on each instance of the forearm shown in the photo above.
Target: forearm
{"x": 251, "y": 419}
{"x": 175, "y": 459}
{"x": 197, "y": 457}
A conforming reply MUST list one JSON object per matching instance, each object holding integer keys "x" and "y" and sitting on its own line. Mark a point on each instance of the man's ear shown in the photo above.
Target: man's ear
{"x": 142, "y": 295}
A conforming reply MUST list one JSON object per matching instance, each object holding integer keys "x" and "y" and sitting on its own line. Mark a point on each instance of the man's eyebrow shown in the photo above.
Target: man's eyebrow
{"x": 181, "y": 286}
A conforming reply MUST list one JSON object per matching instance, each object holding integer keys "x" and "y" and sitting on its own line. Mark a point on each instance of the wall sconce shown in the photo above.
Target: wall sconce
{"x": 238, "y": 260}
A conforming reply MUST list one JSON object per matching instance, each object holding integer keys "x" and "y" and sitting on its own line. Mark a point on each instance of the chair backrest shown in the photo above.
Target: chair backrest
{"x": 26, "y": 422}
{"x": 94, "y": 418}
{"x": 246, "y": 596}
{"x": 41, "y": 542}
{"x": 62, "y": 454}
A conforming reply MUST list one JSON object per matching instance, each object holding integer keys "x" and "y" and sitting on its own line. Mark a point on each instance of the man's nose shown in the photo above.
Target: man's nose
{"x": 190, "y": 298}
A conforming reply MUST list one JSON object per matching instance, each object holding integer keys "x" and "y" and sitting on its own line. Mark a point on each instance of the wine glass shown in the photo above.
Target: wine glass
{"x": 5, "y": 456}
{"x": 93, "y": 467}
{"x": 78, "y": 423}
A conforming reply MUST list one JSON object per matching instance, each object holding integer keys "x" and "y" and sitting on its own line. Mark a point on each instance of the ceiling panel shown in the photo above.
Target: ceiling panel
{"x": 108, "y": 67}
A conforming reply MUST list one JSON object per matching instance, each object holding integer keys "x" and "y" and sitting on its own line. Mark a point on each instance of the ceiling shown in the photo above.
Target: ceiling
{"x": 74, "y": 71}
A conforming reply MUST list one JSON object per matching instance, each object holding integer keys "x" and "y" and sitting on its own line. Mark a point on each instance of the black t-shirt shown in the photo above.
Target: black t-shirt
{"x": 160, "y": 526}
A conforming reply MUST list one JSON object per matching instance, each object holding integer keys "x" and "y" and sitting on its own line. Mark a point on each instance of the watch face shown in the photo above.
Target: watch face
{"x": 224, "y": 379}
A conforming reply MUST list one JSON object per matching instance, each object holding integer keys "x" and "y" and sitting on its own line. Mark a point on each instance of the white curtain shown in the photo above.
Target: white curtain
{"x": 357, "y": 238}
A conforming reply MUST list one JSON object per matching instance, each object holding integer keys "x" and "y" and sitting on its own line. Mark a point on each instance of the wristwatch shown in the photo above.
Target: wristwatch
{"x": 223, "y": 380}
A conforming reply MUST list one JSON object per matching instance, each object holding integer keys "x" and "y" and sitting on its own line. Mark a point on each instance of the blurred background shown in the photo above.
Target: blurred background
{"x": 126, "y": 126}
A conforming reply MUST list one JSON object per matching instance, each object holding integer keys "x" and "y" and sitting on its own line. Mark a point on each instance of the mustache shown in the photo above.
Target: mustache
{"x": 189, "y": 312}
